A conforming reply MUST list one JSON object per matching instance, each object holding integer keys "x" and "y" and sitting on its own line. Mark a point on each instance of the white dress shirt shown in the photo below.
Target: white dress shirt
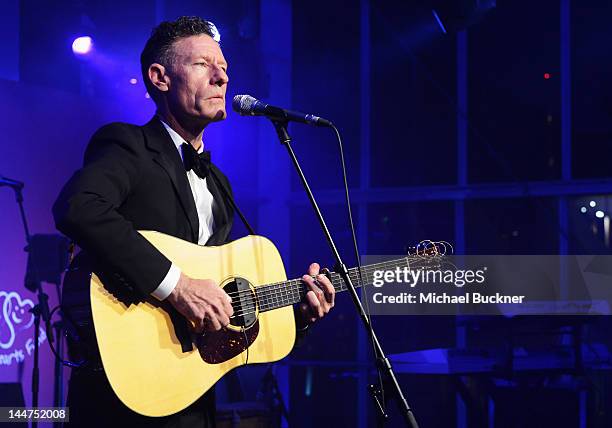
{"x": 204, "y": 205}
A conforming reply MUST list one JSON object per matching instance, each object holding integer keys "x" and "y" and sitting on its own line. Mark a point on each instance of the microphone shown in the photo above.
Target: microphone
{"x": 11, "y": 183}
{"x": 246, "y": 105}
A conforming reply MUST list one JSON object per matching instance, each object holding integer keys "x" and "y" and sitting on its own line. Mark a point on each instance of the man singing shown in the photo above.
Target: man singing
{"x": 158, "y": 177}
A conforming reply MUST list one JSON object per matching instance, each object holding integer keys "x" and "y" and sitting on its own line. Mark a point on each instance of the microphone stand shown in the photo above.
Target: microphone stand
{"x": 269, "y": 384}
{"x": 41, "y": 309}
{"x": 382, "y": 362}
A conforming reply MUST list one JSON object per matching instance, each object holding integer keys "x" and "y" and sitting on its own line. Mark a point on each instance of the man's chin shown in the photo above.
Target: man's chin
{"x": 221, "y": 114}
{"x": 205, "y": 119}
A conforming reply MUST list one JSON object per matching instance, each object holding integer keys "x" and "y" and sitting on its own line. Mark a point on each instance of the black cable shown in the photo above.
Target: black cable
{"x": 246, "y": 341}
{"x": 358, "y": 258}
{"x": 230, "y": 199}
{"x": 67, "y": 363}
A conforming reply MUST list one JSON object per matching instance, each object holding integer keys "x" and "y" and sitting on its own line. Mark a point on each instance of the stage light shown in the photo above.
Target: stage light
{"x": 415, "y": 32}
{"x": 147, "y": 96}
{"x": 583, "y": 210}
{"x": 546, "y": 76}
{"x": 133, "y": 81}
{"x": 599, "y": 214}
{"x": 82, "y": 45}
{"x": 453, "y": 16}
{"x": 607, "y": 230}
{"x": 439, "y": 21}
{"x": 592, "y": 204}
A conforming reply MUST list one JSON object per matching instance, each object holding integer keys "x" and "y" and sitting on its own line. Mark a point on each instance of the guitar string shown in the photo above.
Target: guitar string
{"x": 275, "y": 286}
{"x": 276, "y": 290}
{"x": 288, "y": 292}
{"x": 292, "y": 294}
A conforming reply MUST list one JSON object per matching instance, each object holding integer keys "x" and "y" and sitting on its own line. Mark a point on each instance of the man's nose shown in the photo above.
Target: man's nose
{"x": 219, "y": 77}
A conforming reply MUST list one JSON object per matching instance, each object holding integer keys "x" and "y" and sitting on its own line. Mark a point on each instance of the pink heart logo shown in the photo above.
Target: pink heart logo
{"x": 15, "y": 313}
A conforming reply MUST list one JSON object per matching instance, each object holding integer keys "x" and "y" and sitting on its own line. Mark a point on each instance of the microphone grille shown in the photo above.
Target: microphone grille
{"x": 243, "y": 104}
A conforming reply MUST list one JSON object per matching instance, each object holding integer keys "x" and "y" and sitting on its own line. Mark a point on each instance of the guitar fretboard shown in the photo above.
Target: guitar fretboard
{"x": 281, "y": 294}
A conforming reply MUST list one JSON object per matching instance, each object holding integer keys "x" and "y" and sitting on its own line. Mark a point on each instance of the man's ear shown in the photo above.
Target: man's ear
{"x": 158, "y": 77}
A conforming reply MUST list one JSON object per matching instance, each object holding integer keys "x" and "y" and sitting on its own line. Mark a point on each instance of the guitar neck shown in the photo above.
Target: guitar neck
{"x": 281, "y": 294}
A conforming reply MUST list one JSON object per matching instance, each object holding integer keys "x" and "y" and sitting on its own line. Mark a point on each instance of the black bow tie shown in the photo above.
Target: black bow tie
{"x": 198, "y": 162}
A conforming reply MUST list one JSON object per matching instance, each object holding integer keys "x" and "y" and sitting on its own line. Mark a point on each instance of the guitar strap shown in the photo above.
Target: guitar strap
{"x": 231, "y": 201}
{"x": 181, "y": 327}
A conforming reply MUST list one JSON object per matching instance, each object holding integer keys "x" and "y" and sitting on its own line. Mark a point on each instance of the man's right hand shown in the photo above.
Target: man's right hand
{"x": 202, "y": 302}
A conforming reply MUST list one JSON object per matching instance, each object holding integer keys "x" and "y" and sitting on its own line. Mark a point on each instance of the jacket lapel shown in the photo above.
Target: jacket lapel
{"x": 159, "y": 141}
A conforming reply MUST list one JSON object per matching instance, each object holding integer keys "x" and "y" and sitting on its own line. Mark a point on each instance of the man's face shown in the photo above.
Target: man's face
{"x": 198, "y": 79}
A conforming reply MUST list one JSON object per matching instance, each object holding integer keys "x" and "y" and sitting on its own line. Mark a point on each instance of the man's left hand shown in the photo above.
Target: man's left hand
{"x": 320, "y": 296}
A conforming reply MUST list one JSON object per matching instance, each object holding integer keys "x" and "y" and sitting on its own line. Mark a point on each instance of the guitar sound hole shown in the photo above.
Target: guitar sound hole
{"x": 219, "y": 346}
{"x": 244, "y": 302}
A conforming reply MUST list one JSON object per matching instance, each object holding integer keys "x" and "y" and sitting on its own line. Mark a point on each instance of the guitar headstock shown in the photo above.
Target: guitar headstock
{"x": 429, "y": 248}
{"x": 429, "y": 254}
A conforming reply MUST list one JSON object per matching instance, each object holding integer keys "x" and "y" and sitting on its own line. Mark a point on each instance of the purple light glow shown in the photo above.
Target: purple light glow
{"x": 82, "y": 45}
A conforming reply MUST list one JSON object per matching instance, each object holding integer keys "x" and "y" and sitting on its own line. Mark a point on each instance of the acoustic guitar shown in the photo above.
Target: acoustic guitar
{"x": 146, "y": 365}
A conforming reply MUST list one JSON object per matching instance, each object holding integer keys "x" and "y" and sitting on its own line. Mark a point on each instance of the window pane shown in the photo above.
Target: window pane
{"x": 514, "y": 109}
{"x": 413, "y": 123}
{"x": 591, "y": 71}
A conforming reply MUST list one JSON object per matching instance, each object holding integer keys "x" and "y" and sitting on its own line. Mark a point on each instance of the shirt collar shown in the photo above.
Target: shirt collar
{"x": 177, "y": 139}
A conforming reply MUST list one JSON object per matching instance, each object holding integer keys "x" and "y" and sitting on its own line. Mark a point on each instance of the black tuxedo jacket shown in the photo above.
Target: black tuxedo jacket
{"x": 133, "y": 179}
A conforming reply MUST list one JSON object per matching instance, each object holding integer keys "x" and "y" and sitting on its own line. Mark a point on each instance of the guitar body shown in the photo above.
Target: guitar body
{"x": 141, "y": 354}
